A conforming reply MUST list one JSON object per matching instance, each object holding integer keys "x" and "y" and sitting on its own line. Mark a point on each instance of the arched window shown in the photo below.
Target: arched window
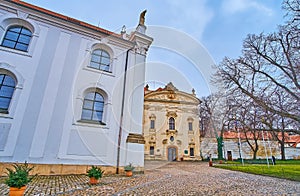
{"x": 171, "y": 123}
{"x": 7, "y": 88}
{"x": 92, "y": 108}
{"x": 190, "y": 126}
{"x": 152, "y": 124}
{"x": 17, "y": 37}
{"x": 152, "y": 121}
{"x": 100, "y": 60}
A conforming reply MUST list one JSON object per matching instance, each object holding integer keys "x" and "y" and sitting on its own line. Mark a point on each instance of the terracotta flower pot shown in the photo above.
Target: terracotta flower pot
{"x": 13, "y": 191}
{"x": 93, "y": 180}
{"x": 128, "y": 173}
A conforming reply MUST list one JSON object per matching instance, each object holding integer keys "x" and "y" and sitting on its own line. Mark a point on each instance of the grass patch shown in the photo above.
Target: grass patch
{"x": 283, "y": 169}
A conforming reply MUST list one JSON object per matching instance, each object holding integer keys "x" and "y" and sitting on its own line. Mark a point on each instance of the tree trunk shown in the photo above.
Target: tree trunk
{"x": 282, "y": 149}
{"x": 255, "y": 153}
{"x": 282, "y": 152}
{"x": 255, "y": 150}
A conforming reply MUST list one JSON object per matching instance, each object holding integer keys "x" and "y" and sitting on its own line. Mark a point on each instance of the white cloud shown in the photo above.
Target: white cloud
{"x": 192, "y": 16}
{"x": 235, "y": 6}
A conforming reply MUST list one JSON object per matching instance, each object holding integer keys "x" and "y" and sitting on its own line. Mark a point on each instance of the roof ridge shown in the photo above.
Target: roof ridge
{"x": 63, "y": 17}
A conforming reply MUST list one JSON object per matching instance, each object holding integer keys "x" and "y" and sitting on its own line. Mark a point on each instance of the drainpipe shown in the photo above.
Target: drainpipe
{"x": 122, "y": 113}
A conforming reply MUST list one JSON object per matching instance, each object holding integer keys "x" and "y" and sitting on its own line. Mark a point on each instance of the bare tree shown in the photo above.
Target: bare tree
{"x": 293, "y": 11}
{"x": 214, "y": 118}
{"x": 269, "y": 63}
{"x": 251, "y": 127}
{"x": 245, "y": 118}
{"x": 278, "y": 125}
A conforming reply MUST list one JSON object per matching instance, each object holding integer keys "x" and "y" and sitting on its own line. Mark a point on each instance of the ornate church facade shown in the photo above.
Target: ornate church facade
{"x": 171, "y": 124}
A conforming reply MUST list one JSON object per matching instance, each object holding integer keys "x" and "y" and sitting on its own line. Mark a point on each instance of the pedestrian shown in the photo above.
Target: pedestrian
{"x": 273, "y": 160}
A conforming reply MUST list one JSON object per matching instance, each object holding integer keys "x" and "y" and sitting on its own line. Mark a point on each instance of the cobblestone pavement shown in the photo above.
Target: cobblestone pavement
{"x": 163, "y": 178}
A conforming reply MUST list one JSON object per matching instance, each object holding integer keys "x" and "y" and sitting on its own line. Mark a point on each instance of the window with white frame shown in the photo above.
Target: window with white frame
{"x": 7, "y": 88}
{"x": 93, "y": 107}
{"x": 17, "y": 37}
{"x": 100, "y": 60}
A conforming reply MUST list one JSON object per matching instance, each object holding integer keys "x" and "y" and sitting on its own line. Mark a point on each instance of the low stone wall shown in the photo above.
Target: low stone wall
{"x": 209, "y": 146}
{"x": 61, "y": 169}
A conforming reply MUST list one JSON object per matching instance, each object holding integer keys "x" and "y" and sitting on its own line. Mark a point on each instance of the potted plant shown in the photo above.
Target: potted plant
{"x": 128, "y": 169}
{"x": 95, "y": 173}
{"x": 18, "y": 178}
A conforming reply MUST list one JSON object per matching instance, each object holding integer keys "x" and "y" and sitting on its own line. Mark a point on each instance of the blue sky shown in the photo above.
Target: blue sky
{"x": 218, "y": 26}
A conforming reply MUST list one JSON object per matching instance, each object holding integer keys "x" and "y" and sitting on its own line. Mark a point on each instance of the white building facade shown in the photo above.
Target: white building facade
{"x": 67, "y": 90}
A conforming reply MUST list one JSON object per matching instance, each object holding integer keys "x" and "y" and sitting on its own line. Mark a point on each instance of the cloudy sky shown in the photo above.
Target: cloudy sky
{"x": 205, "y": 31}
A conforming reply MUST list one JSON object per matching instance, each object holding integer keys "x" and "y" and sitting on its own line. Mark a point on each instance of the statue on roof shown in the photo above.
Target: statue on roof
{"x": 170, "y": 87}
{"x": 142, "y": 17}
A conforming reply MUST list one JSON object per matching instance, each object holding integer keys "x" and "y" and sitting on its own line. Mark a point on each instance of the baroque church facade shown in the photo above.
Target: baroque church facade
{"x": 171, "y": 124}
{"x": 63, "y": 87}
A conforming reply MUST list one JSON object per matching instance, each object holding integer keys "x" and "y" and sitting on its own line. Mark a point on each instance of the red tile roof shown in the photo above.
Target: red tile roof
{"x": 63, "y": 17}
{"x": 294, "y": 139}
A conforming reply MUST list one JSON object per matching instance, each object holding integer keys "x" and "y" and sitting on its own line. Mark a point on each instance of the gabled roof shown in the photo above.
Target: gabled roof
{"x": 169, "y": 87}
{"x": 170, "y": 94}
{"x": 62, "y": 17}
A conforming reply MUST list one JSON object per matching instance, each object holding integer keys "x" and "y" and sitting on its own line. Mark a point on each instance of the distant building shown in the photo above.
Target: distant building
{"x": 171, "y": 124}
{"x": 62, "y": 88}
{"x": 235, "y": 146}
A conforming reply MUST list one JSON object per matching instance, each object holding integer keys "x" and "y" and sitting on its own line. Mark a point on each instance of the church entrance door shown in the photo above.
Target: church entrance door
{"x": 172, "y": 154}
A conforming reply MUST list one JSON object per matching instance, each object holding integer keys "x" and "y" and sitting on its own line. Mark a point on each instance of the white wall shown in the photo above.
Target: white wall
{"x": 43, "y": 124}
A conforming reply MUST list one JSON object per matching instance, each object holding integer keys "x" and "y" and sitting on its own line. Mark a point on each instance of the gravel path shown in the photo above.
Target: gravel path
{"x": 186, "y": 178}
{"x": 164, "y": 178}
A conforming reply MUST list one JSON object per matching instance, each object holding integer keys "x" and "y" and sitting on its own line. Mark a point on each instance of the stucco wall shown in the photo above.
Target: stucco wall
{"x": 266, "y": 149}
{"x": 44, "y": 124}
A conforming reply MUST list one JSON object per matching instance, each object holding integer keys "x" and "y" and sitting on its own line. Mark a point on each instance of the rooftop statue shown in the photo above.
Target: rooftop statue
{"x": 142, "y": 17}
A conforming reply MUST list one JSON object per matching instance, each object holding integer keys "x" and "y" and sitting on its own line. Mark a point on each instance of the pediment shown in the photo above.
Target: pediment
{"x": 171, "y": 96}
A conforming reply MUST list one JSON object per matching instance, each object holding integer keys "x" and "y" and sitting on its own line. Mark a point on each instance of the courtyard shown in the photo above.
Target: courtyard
{"x": 165, "y": 178}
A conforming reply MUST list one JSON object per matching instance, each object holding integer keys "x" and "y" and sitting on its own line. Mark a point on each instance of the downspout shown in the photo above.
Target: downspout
{"x": 122, "y": 112}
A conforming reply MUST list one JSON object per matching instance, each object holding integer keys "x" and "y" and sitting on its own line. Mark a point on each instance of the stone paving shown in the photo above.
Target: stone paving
{"x": 164, "y": 178}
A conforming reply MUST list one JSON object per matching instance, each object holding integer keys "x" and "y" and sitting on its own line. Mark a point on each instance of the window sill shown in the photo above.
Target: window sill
{"x": 5, "y": 115}
{"x": 2, "y": 111}
{"x": 91, "y": 122}
{"x": 108, "y": 73}
{"x": 20, "y": 52}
